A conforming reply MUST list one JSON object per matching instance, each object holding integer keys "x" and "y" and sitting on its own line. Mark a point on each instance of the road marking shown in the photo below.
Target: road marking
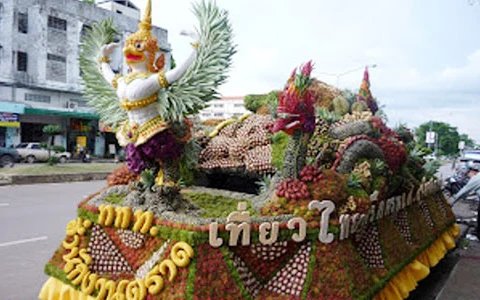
{"x": 41, "y": 238}
{"x": 4, "y": 204}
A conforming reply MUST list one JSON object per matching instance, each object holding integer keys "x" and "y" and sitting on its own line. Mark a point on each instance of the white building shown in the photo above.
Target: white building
{"x": 40, "y": 80}
{"x": 224, "y": 108}
{"x": 124, "y": 7}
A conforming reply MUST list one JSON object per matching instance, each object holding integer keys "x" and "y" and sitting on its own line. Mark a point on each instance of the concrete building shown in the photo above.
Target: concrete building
{"x": 40, "y": 78}
{"x": 124, "y": 7}
{"x": 224, "y": 108}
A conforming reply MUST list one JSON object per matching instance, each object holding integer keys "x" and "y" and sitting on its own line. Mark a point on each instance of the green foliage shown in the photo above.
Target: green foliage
{"x": 189, "y": 163}
{"x": 214, "y": 206}
{"x": 57, "y": 148}
{"x": 431, "y": 168}
{"x": 52, "y": 129}
{"x": 359, "y": 106}
{"x": 354, "y": 181}
{"x": 378, "y": 168}
{"x": 358, "y": 192}
{"x": 99, "y": 93}
{"x": 329, "y": 116}
{"x": 468, "y": 141}
{"x": 341, "y": 105}
{"x": 189, "y": 94}
{"x": 279, "y": 145}
{"x": 265, "y": 183}
{"x": 114, "y": 198}
{"x": 404, "y": 133}
{"x": 350, "y": 96}
{"x": 173, "y": 64}
{"x": 253, "y": 102}
{"x": 43, "y": 145}
{"x": 148, "y": 178}
{"x": 272, "y": 102}
{"x": 448, "y": 137}
{"x": 52, "y": 160}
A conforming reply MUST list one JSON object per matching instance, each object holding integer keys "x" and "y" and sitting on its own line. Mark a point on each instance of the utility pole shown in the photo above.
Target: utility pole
{"x": 430, "y": 133}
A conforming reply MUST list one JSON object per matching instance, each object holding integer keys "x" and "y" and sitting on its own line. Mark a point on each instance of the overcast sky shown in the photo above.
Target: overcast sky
{"x": 427, "y": 52}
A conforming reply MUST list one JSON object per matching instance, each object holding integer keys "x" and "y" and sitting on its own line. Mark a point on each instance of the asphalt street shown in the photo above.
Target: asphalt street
{"x": 32, "y": 222}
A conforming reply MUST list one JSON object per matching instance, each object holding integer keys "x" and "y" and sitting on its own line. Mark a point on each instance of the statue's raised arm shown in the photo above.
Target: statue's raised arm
{"x": 151, "y": 99}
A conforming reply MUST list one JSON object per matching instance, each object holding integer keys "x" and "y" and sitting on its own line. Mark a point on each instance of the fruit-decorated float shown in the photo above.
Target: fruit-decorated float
{"x": 345, "y": 209}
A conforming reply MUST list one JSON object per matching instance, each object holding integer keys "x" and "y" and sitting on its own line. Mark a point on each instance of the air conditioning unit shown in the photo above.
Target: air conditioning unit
{"x": 72, "y": 104}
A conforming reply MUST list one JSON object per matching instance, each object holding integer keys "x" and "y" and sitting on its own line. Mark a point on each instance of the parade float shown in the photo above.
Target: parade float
{"x": 345, "y": 209}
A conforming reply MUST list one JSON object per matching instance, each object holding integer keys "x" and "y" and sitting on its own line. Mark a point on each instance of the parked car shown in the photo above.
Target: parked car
{"x": 32, "y": 152}
{"x": 471, "y": 156}
{"x": 8, "y": 157}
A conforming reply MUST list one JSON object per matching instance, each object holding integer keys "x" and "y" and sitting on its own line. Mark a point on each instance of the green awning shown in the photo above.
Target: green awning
{"x": 61, "y": 113}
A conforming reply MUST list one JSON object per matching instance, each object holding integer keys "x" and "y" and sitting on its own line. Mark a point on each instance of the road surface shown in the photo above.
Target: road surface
{"x": 32, "y": 226}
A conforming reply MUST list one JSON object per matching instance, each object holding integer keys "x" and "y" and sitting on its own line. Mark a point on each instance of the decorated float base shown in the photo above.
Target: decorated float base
{"x": 113, "y": 251}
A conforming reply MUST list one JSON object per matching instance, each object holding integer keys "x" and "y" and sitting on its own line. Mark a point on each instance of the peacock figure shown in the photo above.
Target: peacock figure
{"x": 148, "y": 106}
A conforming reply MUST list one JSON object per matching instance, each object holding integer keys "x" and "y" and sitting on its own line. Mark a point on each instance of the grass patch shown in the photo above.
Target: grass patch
{"x": 114, "y": 198}
{"x": 44, "y": 169}
{"x": 279, "y": 145}
{"x": 217, "y": 206}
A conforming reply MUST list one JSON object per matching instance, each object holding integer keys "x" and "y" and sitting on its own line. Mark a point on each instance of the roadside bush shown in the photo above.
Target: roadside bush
{"x": 57, "y": 148}
{"x": 52, "y": 161}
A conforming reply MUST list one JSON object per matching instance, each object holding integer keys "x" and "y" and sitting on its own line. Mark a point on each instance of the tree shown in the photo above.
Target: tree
{"x": 254, "y": 102}
{"x": 448, "y": 137}
{"x": 468, "y": 141}
{"x": 51, "y": 131}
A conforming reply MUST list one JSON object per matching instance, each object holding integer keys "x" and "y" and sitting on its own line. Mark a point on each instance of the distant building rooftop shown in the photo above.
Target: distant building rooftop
{"x": 122, "y": 2}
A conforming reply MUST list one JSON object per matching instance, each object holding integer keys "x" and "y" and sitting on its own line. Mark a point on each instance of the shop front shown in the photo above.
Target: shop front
{"x": 80, "y": 128}
{"x": 10, "y": 123}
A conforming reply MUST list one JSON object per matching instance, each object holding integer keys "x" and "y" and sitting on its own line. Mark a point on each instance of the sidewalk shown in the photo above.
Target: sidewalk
{"x": 464, "y": 280}
{"x": 68, "y": 175}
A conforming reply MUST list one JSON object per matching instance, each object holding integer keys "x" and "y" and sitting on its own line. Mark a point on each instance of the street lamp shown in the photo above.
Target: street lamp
{"x": 338, "y": 75}
{"x": 354, "y": 70}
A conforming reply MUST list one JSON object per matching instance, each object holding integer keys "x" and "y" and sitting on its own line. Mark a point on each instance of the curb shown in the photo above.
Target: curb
{"x": 52, "y": 178}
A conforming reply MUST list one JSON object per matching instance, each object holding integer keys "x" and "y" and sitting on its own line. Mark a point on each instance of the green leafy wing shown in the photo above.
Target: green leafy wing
{"x": 197, "y": 86}
{"x": 98, "y": 92}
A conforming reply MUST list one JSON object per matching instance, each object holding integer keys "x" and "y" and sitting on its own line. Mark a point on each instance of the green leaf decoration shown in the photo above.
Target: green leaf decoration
{"x": 98, "y": 92}
{"x": 197, "y": 86}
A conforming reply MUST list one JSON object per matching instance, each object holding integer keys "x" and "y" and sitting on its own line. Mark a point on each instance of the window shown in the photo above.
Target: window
{"x": 21, "y": 146}
{"x": 56, "y": 68}
{"x": 56, "y": 57}
{"x": 80, "y": 102}
{"x": 22, "y": 61}
{"x": 37, "y": 98}
{"x": 22, "y": 22}
{"x": 85, "y": 29}
{"x": 57, "y": 23}
{"x": 218, "y": 114}
{"x": 218, "y": 105}
{"x": 238, "y": 105}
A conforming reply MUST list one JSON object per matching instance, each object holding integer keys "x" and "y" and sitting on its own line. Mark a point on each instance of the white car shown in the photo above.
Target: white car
{"x": 32, "y": 152}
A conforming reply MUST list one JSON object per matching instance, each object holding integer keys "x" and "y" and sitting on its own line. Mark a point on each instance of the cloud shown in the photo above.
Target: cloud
{"x": 428, "y": 58}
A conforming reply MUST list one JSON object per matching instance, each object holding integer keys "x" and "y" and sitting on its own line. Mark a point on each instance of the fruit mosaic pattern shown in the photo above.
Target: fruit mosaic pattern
{"x": 353, "y": 268}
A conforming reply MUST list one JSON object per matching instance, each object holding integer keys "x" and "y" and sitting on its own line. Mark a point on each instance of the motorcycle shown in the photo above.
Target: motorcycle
{"x": 84, "y": 157}
{"x": 453, "y": 185}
